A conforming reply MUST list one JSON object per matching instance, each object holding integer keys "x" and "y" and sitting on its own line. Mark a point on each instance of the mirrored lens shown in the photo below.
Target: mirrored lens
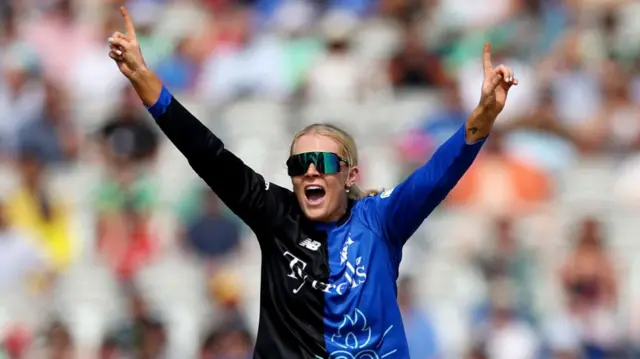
{"x": 324, "y": 162}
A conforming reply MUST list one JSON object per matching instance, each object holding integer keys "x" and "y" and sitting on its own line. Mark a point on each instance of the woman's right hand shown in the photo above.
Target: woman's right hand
{"x": 125, "y": 50}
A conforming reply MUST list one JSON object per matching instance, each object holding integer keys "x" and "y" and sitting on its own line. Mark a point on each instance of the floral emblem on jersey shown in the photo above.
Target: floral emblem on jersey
{"x": 354, "y": 334}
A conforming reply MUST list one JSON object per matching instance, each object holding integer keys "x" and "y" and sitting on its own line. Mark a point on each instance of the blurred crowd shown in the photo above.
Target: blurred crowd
{"x": 125, "y": 257}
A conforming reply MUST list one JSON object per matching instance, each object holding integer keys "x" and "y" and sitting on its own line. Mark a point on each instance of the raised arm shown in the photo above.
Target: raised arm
{"x": 402, "y": 210}
{"x": 245, "y": 192}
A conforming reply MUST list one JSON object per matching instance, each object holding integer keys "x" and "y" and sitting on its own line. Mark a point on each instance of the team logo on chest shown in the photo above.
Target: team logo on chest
{"x": 354, "y": 274}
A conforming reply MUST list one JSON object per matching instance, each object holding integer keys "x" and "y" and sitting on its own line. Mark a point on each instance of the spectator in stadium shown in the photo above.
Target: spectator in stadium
{"x": 575, "y": 87}
{"x": 212, "y": 234}
{"x": 16, "y": 342}
{"x": 506, "y": 258}
{"x": 226, "y": 296}
{"x": 21, "y": 94}
{"x": 33, "y": 208}
{"x": 413, "y": 66}
{"x": 156, "y": 43}
{"x": 302, "y": 46}
{"x": 589, "y": 274}
{"x": 128, "y": 138}
{"x": 589, "y": 278}
{"x": 125, "y": 199}
{"x": 181, "y": 68}
{"x": 58, "y": 344}
{"x": 52, "y": 133}
{"x": 433, "y": 130}
{"x": 21, "y": 259}
{"x": 125, "y": 202}
{"x": 229, "y": 336}
{"x": 543, "y": 140}
{"x": 59, "y": 22}
{"x": 618, "y": 129}
{"x": 500, "y": 184}
{"x": 243, "y": 63}
{"x": 227, "y": 343}
{"x": 421, "y": 333}
{"x": 339, "y": 75}
{"x": 142, "y": 332}
{"x": 92, "y": 82}
{"x": 441, "y": 124}
{"x": 504, "y": 334}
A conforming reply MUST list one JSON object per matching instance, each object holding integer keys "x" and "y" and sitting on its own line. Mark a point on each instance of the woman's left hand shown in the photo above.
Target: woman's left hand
{"x": 495, "y": 87}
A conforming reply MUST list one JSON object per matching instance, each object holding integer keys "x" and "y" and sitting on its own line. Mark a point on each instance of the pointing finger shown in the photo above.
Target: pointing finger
{"x": 486, "y": 57}
{"x": 128, "y": 23}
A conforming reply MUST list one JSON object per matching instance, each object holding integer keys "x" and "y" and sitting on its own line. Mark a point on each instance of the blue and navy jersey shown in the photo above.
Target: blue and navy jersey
{"x": 328, "y": 290}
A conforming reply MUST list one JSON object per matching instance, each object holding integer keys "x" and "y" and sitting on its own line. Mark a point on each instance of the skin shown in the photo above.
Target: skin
{"x": 495, "y": 87}
{"x": 124, "y": 49}
{"x": 334, "y": 204}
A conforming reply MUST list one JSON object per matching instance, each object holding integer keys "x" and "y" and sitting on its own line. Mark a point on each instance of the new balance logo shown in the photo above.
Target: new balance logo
{"x": 310, "y": 244}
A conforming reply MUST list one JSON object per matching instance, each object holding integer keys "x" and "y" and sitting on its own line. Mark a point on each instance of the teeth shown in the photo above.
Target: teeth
{"x": 314, "y": 187}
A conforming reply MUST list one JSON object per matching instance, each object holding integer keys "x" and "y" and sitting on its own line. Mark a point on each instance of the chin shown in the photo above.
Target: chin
{"x": 315, "y": 214}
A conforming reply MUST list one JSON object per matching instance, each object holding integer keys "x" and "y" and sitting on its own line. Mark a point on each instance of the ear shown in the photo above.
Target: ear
{"x": 352, "y": 176}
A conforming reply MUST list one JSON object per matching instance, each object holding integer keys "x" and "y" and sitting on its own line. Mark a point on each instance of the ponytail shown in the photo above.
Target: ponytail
{"x": 355, "y": 192}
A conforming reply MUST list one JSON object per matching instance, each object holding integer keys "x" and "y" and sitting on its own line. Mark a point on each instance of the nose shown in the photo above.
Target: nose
{"x": 312, "y": 171}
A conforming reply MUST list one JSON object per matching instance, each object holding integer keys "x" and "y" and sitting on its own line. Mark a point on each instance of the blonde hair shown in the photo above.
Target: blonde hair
{"x": 347, "y": 147}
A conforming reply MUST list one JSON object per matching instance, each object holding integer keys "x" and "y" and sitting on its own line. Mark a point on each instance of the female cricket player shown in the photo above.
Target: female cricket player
{"x": 330, "y": 252}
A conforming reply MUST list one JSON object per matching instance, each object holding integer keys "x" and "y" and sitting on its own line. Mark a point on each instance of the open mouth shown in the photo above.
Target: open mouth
{"x": 315, "y": 194}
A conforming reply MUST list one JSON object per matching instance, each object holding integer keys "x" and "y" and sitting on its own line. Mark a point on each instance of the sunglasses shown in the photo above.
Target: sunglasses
{"x": 327, "y": 163}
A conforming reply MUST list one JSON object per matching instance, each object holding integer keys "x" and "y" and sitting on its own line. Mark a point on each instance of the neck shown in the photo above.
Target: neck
{"x": 337, "y": 215}
{"x": 340, "y": 213}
